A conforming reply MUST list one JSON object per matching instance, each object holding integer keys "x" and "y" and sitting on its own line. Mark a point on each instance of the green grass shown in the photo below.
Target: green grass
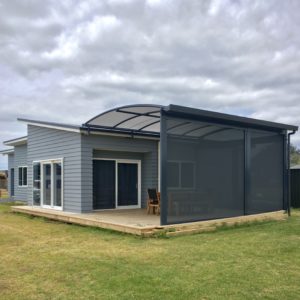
{"x": 42, "y": 259}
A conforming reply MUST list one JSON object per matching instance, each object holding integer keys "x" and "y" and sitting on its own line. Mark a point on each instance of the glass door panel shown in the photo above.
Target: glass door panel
{"x": 47, "y": 184}
{"x": 51, "y": 184}
{"x": 57, "y": 185}
{"x": 36, "y": 183}
{"x": 104, "y": 184}
{"x": 127, "y": 184}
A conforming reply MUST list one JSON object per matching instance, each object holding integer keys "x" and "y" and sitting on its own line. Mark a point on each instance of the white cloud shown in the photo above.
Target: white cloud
{"x": 68, "y": 44}
{"x": 154, "y": 2}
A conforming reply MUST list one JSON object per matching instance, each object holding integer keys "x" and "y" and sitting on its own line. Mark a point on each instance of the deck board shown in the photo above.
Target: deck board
{"x": 138, "y": 222}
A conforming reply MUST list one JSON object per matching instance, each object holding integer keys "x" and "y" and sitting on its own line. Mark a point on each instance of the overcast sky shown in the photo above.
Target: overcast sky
{"x": 67, "y": 61}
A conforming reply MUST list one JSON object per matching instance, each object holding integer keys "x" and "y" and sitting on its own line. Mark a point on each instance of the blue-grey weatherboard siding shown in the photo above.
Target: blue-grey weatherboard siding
{"x": 101, "y": 146}
{"x": 11, "y": 165}
{"x": 78, "y": 151}
{"x": 45, "y": 143}
{"x": 20, "y": 160}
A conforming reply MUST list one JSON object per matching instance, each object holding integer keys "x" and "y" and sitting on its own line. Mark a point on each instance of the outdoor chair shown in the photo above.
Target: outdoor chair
{"x": 153, "y": 201}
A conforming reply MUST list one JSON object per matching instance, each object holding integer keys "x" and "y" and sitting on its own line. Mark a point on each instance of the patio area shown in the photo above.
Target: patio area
{"x": 135, "y": 221}
{"x": 138, "y": 222}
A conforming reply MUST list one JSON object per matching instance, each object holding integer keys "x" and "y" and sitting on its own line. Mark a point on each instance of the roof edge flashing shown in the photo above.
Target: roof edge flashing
{"x": 16, "y": 142}
{"x": 52, "y": 125}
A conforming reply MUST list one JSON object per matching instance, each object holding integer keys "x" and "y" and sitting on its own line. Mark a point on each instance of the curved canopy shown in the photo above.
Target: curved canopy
{"x": 144, "y": 119}
{"x": 138, "y": 118}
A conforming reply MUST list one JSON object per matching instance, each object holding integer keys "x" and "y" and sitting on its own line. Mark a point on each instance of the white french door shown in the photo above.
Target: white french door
{"x": 51, "y": 184}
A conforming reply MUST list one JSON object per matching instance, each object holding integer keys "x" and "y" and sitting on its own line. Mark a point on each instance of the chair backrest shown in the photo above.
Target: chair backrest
{"x": 153, "y": 195}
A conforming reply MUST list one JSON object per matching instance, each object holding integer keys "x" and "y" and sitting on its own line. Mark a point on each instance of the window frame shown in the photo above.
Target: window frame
{"x": 22, "y": 168}
{"x": 180, "y": 162}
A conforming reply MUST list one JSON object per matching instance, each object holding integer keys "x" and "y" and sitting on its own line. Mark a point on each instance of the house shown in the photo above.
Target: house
{"x": 207, "y": 165}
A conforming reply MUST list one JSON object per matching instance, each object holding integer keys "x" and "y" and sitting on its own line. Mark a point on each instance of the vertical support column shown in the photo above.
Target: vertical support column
{"x": 289, "y": 172}
{"x": 289, "y": 175}
{"x": 247, "y": 175}
{"x": 163, "y": 169}
{"x": 158, "y": 165}
{"x": 285, "y": 171}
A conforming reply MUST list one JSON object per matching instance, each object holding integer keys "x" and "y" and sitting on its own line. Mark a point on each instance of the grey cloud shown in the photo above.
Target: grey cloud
{"x": 68, "y": 60}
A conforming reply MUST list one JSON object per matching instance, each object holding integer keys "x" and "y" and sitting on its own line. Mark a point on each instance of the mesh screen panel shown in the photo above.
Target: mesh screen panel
{"x": 204, "y": 171}
{"x": 266, "y": 173}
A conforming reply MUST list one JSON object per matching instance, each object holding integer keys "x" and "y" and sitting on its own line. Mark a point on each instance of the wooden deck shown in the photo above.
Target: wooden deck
{"x": 138, "y": 222}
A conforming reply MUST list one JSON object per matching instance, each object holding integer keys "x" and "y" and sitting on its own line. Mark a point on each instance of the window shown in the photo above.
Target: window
{"x": 187, "y": 175}
{"x": 22, "y": 176}
{"x": 173, "y": 179}
{"x": 181, "y": 174}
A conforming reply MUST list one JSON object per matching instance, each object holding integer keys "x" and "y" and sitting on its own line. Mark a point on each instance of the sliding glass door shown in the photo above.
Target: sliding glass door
{"x": 116, "y": 183}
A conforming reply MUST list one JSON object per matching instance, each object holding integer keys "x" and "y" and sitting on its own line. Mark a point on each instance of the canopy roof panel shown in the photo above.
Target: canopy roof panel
{"x": 139, "y": 118}
{"x": 144, "y": 119}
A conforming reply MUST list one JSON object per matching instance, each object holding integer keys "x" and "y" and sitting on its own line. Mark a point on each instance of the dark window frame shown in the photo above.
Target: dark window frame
{"x": 180, "y": 163}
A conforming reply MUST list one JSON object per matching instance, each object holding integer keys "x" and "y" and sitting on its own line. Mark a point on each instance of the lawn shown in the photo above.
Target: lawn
{"x": 43, "y": 259}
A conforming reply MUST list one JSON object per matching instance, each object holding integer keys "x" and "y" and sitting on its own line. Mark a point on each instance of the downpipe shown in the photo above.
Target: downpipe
{"x": 289, "y": 173}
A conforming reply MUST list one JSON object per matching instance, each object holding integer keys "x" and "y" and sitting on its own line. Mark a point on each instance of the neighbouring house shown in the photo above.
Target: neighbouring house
{"x": 295, "y": 186}
{"x": 3, "y": 180}
{"x": 207, "y": 165}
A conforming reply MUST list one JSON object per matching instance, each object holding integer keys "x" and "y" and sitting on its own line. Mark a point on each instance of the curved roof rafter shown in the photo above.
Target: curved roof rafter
{"x": 135, "y": 118}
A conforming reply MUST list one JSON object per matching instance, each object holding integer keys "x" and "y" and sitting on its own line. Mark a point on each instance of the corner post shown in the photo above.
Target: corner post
{"x": 247, "y": 174}
{"x": 285, "y": 171}
{"x": 163, "y": 169}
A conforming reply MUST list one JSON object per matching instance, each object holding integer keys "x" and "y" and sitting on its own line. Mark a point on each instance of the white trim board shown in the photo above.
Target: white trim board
{"x": 52, "y": 126}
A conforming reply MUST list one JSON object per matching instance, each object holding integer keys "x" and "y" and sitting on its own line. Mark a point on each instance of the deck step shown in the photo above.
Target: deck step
{"x": 191, "y": 231}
